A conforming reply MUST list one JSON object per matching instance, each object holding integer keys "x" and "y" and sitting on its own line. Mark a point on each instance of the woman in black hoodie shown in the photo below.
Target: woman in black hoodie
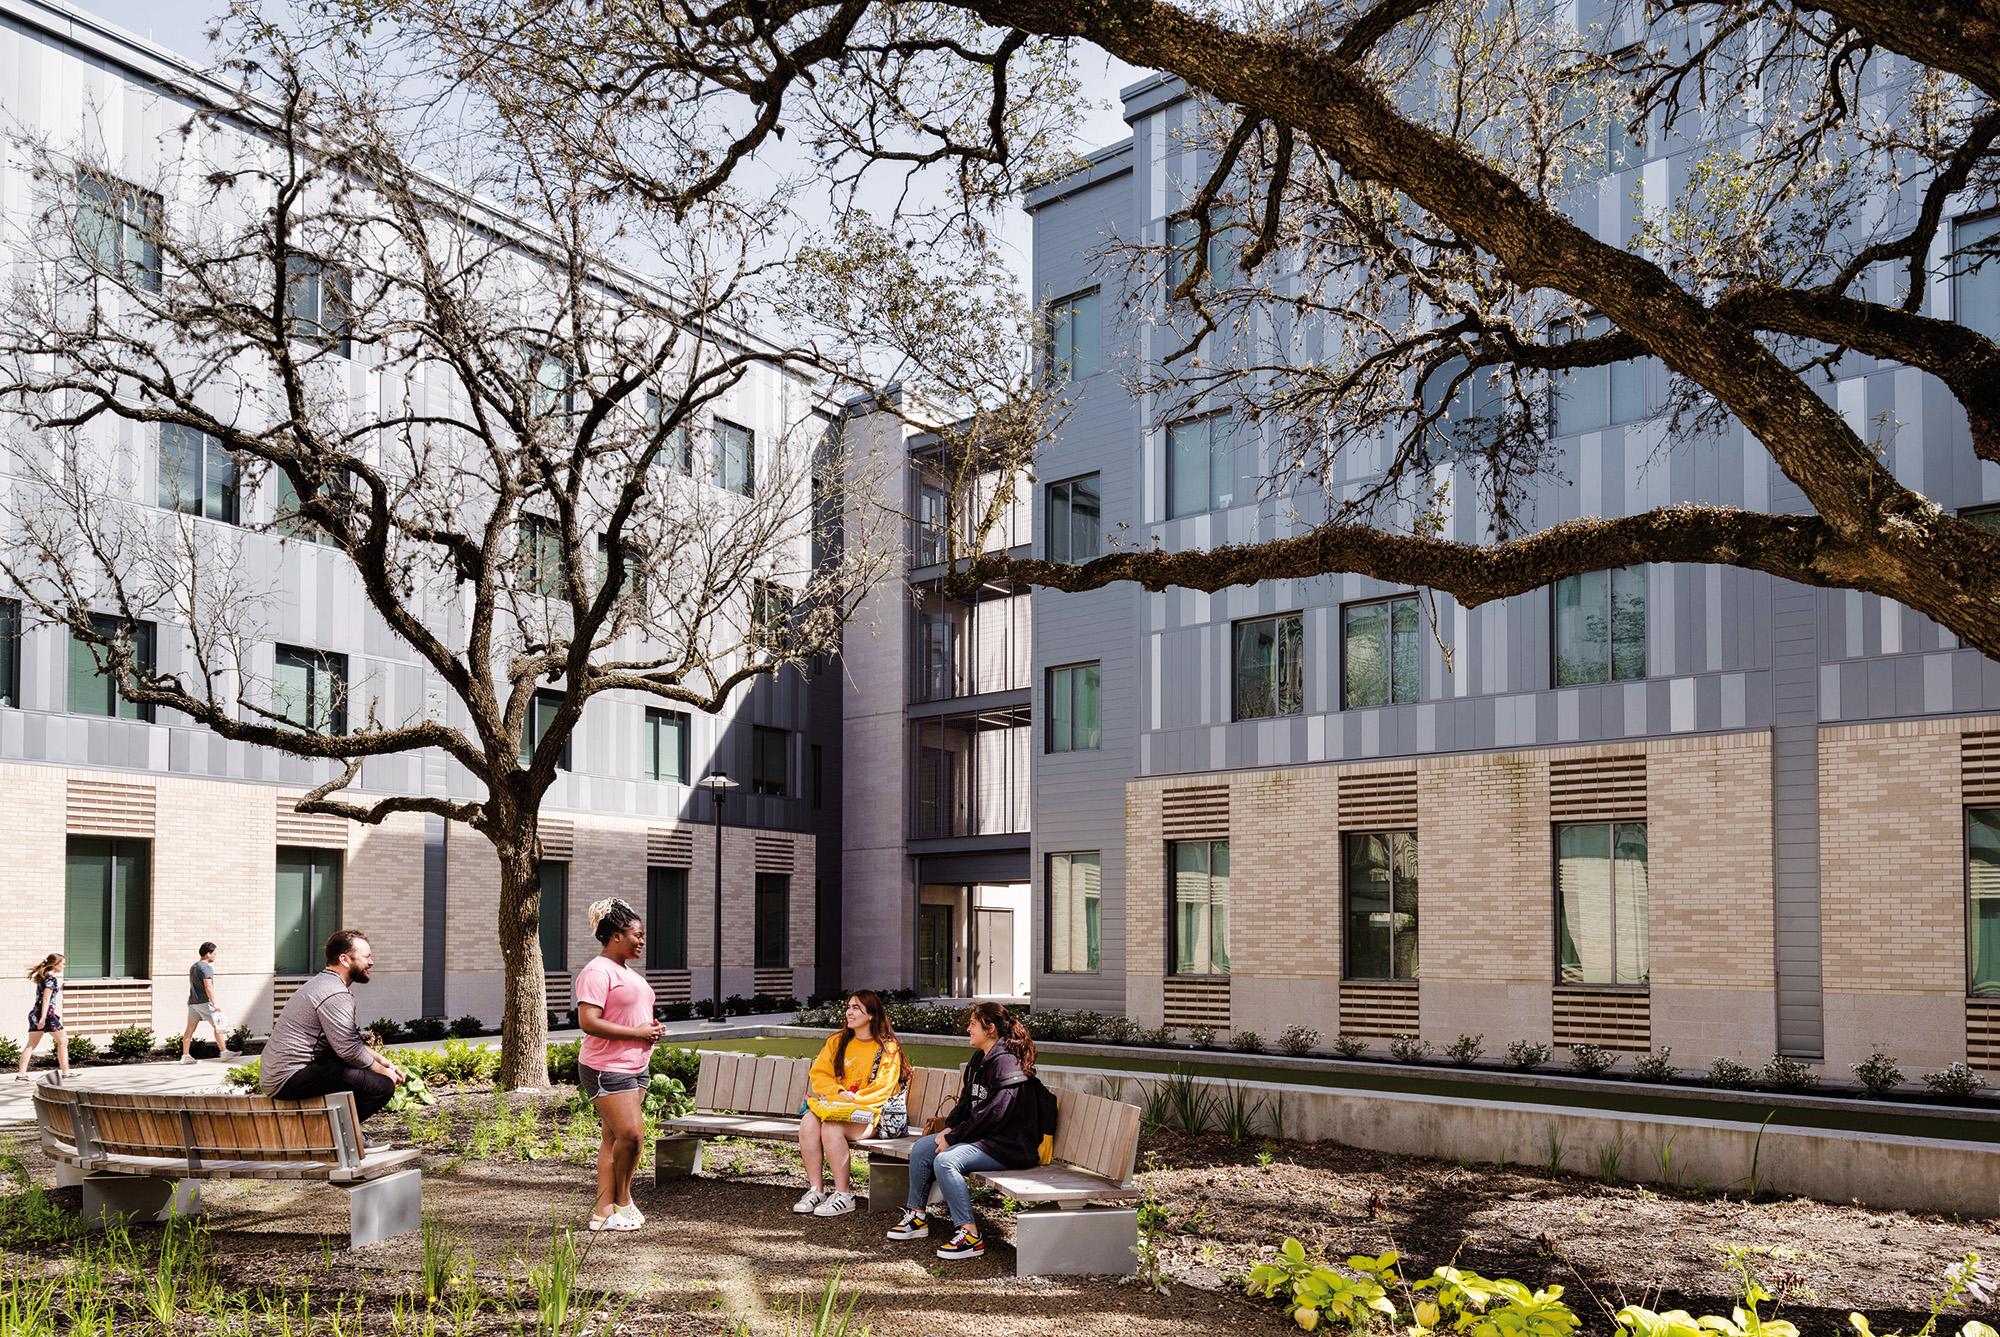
{"x": 993, "y": 1127}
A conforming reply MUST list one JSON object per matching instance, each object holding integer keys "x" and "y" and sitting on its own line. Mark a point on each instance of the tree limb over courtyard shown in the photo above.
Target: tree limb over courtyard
{"x": 1389, "y": 190}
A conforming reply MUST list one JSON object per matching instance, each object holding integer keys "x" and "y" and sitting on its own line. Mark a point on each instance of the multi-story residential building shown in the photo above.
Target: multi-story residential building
{"x": 137, "y": 835}
{"x": 1671, "y": 806}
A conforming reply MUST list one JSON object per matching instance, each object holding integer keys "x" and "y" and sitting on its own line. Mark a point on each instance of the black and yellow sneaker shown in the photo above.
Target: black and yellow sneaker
{"x": 915, "y": 1225}
{"x": 965, "y": 1244}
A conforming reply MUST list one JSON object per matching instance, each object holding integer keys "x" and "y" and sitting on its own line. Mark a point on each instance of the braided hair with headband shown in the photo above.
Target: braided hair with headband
{"x": 610, "y": 917}
{"x": 1012, "y": 1032}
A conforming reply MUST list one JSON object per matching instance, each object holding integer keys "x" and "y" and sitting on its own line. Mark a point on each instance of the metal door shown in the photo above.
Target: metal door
{"x": 934, "y": 944}
{"x": 996, "y": 954}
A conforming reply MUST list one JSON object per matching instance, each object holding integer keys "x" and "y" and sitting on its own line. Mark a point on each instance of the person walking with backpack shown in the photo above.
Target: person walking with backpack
{"x": 996, "y": 1125}
{"x": 45, "y": 1017}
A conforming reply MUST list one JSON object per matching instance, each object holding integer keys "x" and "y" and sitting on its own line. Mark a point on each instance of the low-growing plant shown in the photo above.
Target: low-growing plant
{"x": 244, "y": 1074}
{"x": 468, "y": 1026}
{"x": 1157, "y": 1111}
{"x": 1247, "y": 1042}
{"x": 1408, "y": 1048}
{"x": 1119, "y": 1030}
{"x": 1201, "y": 1037}
{"x": 386, "y": 1031}
{"x": 427, "y": 1028}
{"x": 1235, "y": 1111}
{"x": 82, "y": 1049}
{"x": 1788, "y": 1074}
{"x": 132, "y": 1042}
{"x": 677, "y": 1011}
{"x": 1466, "y": 1049}
{"x": 1297, "y": 1039}
{"x": 1525, "y": 1054}
{"x": 1591, "y": 1060}
{"x": 1957, "y": 1082}
{"x": 683, "y": 1065}
{"x": 1726, "y": 1074}
{"x": 10, "y": 1051}
{"x": 1878, "y": 1074}
{"x": 240, "y": 1037}
{"x": 1656, "y": 1066}
{"x": 563, "y": 1061}
{"x": 1349, "y": 1046}
{"x": 1156, "y": 1037}
{"x": 1189, "y": 1103}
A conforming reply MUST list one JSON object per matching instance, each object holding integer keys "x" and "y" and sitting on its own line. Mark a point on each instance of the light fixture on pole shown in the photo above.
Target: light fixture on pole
{"x": 718, "y": 786}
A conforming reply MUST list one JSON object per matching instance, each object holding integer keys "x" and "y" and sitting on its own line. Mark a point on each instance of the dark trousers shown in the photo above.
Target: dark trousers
{"x": 328, "y": 1076}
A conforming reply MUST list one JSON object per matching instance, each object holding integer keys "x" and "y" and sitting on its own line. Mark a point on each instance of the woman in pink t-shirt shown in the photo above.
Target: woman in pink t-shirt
{"x": 614, "y": 1006}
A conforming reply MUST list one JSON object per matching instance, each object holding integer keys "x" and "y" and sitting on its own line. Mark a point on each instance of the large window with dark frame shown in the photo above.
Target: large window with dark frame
{"x": 94, "y": 690}
{"x": 1588, "y": 399}
{"x": 1074, "y": 707}
{"x": 1073, "y": 350}
{"x": 107, "y": 909}
{"x": 666, "y": 919}
{"x": 309, "y": 689}
{"x": 1600, "y": 626}
{"x": 1076, "y": 521}
{"x": 1184, "y": 240}
{"x": 1200, "y": 919}
{"x": 1201, "y": 465}
{"x": 550, "y": 385}
{"x": 554, "y": 917}
{"x": 1379, "y": 648}
{"x": 1075, "y": 913}
{"x": 197, "y": 476}
{"x": 538, "y": 557}
{"x": 770, "y": 761}
{"x": 1381, "y": 904}
{"x": 542, "y": 713}
{"x": 318, "y": 303}
{"x": 1982, "y": 902}
{"x": 1270, "y": 675}
{"x": 773, "y": 927}
{"x": 118, "y": 229}
{"x": 1601, "y": 904}
{"x": 666, "y": 745}
{"x": 1975, "y": 285}
{"x": 308, "y": 908}
{"x": 10, "y": 652}
{"x": 735, "y": 457}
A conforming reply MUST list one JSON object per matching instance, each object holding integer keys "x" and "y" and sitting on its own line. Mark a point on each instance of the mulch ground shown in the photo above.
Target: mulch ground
{"x": 723, "y": 1248}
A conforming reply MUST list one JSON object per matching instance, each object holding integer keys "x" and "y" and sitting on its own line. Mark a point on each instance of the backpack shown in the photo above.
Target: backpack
{"x": 1042, "y": 1104}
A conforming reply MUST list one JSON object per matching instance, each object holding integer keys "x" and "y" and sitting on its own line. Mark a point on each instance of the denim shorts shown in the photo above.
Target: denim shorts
{"x": 594, "y": 1083}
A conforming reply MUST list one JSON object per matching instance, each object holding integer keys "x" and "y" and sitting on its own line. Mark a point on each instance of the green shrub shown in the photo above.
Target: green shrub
{"x": 244, "y": 1074}
{"x": 562, "y": 1062}
{"x": 1118, "y": 1030}
{"x": 1201, "y": 1037}
{"x": 468, "y": 1026}
{"x": 1656, "y": 1066}
{"x": 1726, "y": 1074}
{"x": 239, "y": 1037}
{"x": 1788, "y": 1074}
{"x": 1408, "y": 1048}
{"x": 1466, "y": 1049}
{"x": 1590, "y": 1060}
{"x": 736, "y": 1005}
{"x": 683, "y": 1065}
{"x": 131, "y": 1042}
{"x": 1157, "y": 1037}
{"x": 427, "y": 1028}
{"x": 386, "y": 1031}
{"x": 1247, "y": 1042}
{"x": 1522, "y": 1055}
{"x": 10, "y": 1051}
{"x": 1878, "y": 1074}
{"x": 1296, "y": 1039}
{"x": 674, "y": 1011}
{"x": 1349, "y": 1046}
{"x": 82, "y": 1049}
{"x": 1958, "y": 1082}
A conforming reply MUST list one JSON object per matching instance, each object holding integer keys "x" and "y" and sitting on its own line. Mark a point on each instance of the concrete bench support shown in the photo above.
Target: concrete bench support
{"x": 1077, "y": 1241}
{"x": 676, "y": 1156}
{"x": 109, "y": 1197}
{"x": 380, "y": 1209}
{"x": 889, "y": 1185}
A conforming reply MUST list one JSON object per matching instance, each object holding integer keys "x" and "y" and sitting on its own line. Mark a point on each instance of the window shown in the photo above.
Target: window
{"x": 1975, "y": 295}
{"x": 770, "y": 760}
{"x": 1598, "y": 112}
{"x": 118, "y": 230}
{"x": 666, "y": 745}
{"x": 318, "y": 301}
{"x": 197, "y": 475}
{"x": 1477, "y": 407}
{"x": 10, "y": 652}
{"x": 308, "y": 908}
{"x": 310, "y": 689}
{"x": 677, "y": 451}
{"x": 1073, "y": 338}
{"x": 555, "y": 918}
{"x": 1601, "y": 903}
{"x": 735, "y": 458}
{"x": 634, "y": 577}
{"x": 550, "y": 387}
{"x": 666, "y": 919}
{"x": 1378, "y": 641}
{"x": 541, "y": 718}
{"x": 94, "y": 691}
{"x": 1590, "y": 398}
{"x": 930, "y": 526}
{"x": 973, "y": 772}
{"x": 538, "y": 557}
{"x": 774, "y": 921}
{"x": 1381, "y": 905}
{"x": 1201, "y": 466}
{"x": 1600, "y": 626}
{"x": 1073, "y": 708}
{"x": 1982, "y": 889}
{"x": 286, "y": 518}
{"x": 1986, "y": 517}
{"x": 770, "y": 611}
{"x": 1182, "y": 236}
{"x": 1075, "y": 914}
{"x": 107, "y": 909}
{"x": 817, "y": 758}
{"x": 1201, "y": 906}
{"x": 1076, "y": 521}
{"x": 1270, "y": 668}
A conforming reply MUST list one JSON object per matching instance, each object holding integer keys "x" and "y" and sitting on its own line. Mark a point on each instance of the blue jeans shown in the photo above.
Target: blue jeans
{"x": 949, "y": 1167}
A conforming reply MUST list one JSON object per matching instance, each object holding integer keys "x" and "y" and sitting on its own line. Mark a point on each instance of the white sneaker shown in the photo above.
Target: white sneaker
{"x": 187, "y": 1058}
{"x": 810, "y": 1202}
{"x": 835, "y": 1203}
{"x": 617, "y": 1220}
{"x": 630, "y": 1211}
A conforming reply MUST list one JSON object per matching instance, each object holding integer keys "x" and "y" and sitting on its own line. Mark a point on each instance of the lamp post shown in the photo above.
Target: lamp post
{"x": 718, "y": 786}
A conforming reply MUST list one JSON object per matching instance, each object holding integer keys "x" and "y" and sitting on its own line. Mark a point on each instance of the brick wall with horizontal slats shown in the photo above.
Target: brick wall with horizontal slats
{"x": 1615, "y": 1019}
{"x": 1982, "y": 1033}
{"x": 1979, "y": 766}
{"x": 1377, "y": 802}
{"x": 1378, "y": 1007}
{"x": 319, "y": 830}
{"x": 1598, "y": 789}
{"x": 1198, "y": 813}
{"x": 671, "y": 986}
{"x": 558, "y": 839}
{"x": 107, "y": 808}
{"x": 99, "y": 1007}
{"x": 1197, "y": 1002}
{"x": 670, "y": 847}
{"x": 777, "y": 982}
{"x": 775, "y": 854}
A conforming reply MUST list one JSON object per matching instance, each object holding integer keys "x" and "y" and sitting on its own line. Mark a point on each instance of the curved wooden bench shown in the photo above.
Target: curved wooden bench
{"x": 146, "y": 1154}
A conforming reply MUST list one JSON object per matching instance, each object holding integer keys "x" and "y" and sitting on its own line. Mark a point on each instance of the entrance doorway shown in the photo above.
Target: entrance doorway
{"x": 993, "y": 967}
{"x": 935, "y": 943}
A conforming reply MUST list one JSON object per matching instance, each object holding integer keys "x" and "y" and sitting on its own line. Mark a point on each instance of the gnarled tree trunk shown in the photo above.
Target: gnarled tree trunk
{"x": 524, "y": 1033}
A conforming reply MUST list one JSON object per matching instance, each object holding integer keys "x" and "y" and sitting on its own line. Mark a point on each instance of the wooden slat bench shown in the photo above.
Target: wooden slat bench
{"x": 145, "y": 1154}
{"x": 1097, "y": 1141}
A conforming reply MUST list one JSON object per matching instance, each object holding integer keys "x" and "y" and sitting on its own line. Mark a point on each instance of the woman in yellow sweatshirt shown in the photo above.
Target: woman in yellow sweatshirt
{"x": 852, "y": 1079}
